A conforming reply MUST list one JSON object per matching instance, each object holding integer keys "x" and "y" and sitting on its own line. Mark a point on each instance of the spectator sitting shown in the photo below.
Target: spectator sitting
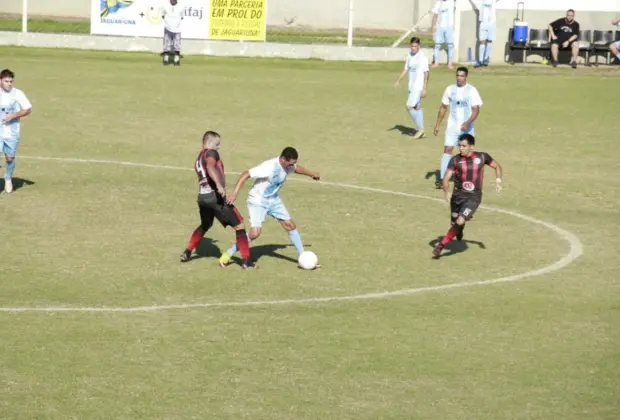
{"x": 614, "y": 47}
{"x": 564, "y": 34}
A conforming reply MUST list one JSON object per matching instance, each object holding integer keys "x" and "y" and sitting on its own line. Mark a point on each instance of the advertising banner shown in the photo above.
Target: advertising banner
{"x": 144, "y": 18}
{"x": 238, "y": 19}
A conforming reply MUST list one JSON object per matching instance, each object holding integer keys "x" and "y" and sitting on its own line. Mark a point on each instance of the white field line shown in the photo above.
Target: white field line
{"x": 576, "y": 250}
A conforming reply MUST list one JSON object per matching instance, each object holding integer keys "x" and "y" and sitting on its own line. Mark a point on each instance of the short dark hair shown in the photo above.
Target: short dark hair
{"x": 463, "y": 69}
{"x": 468, "y": 138}
{"x": 571, "y": 10}
{"x": 414, "y": 40}
{"x": 7, "y": 73}
{"x": 289, "y": 153}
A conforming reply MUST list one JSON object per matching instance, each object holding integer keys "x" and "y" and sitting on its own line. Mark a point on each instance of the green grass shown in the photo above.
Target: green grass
{"x": 298, "y": 36}
{"x": 93, "y": 234}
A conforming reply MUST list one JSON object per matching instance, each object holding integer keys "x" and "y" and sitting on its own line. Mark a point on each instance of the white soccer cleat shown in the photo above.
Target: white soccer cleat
{"x": 8, "y": 186}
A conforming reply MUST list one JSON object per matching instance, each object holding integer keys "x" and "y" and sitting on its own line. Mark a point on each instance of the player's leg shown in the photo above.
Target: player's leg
{"x": 614, "y": 47}
{"x": 450, "y": 142}
{"x": 482, "y": 36}
{"x": 177, "y": 48}
{"x": 9, "y": 149}
{"x": 449, "y": 37}
{"x": 279, "y": 211}
{"x": 575, "y": 53}
{"x": 555, "y": 47}
{"x": 228, "y": 215}
{"x": 438, "y": 37}
{"x": 256, "y": 213}
{"x": 206, "y": 221}
{"x": 491, "y": 35}
{"x": 168, "y": 44}
{"x": 462, "y": 210}
{"x": 414, "y": 101}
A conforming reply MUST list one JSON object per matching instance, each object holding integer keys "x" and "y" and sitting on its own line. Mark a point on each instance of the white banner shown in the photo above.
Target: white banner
{"x": 143, "y": 18}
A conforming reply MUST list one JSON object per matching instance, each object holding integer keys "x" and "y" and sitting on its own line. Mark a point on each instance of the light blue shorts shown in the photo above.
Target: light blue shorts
{"x": 415, "y": 98}
{"x": 9, "y": 146}
{"x": 452, "y": 136}
{"x": 444, "y": 36}
{"x": 259, "y": 211}
{"x": 487, "y": 31}
{"x": 617, "y": 45}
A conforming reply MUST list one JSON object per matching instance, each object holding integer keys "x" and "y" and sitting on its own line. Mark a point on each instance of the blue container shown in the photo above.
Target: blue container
{"x": 519, "y": 32}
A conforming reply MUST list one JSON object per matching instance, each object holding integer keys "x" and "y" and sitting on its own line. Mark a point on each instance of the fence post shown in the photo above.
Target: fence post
{"x": 350, "y": 31}
{"x": 24, "y": 15}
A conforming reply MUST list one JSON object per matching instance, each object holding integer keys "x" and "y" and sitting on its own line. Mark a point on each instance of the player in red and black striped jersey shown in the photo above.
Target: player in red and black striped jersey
{"x": 212, "y": 200}
{"x": 468, "y": 170}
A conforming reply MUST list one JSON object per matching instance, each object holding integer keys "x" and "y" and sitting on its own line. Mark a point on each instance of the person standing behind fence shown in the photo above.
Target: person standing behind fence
{"x": 487, "y": 32}
{"x": 172, "y": 14}
{"x": 443, "y": 29}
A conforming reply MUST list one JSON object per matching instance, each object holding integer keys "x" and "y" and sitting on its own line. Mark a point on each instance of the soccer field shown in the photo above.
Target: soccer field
{"x": 101, "y": 321}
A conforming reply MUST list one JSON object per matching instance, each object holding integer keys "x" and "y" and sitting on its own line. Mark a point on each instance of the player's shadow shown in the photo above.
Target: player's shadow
{"x": 206, "y": 249}
{"x": 404, "y": 130}
{"x": 455, "y": 247}
{"x": 436, "y": 173}
{"x": 269, "y": 250}
{"x": 18, "y": 183}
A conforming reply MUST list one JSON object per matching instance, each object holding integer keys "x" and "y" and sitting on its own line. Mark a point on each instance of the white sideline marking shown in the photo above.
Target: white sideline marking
{"x": 576, "y": 250}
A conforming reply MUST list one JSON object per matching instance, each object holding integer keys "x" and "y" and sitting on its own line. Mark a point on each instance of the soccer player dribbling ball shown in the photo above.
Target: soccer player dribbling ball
{"x": 468, "y": 170}
{"x": 264, "y": 197}
{"x": 212, "y": 200}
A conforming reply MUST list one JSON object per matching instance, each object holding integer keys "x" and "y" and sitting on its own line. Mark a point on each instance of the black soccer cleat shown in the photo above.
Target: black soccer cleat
{"x": 439, "y": 185}
{"x": 186, "y": 256}
{"x": 247, "y": 264}
{"x": 437, "y": 251}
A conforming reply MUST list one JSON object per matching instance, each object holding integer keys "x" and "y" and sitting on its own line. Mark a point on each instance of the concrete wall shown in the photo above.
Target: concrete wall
{"x": 384, "y": 14}
{"x": 538, "y": 20}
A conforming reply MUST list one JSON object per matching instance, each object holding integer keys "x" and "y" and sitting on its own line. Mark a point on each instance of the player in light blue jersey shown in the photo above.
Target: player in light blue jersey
{"x": 416, "y": 66}
{"x": 614, "y": 47}
{"x": 464, "y": 102}
{"x": 443, "y": 29}
{"x": 264, "y": 197}
{"x": 13, "y": 106}
{"x": 487, "y": 17}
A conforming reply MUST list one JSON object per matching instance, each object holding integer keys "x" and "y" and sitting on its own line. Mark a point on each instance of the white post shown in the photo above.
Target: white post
{"x": 350, "y": 31}
{"x": 24, "y": 15}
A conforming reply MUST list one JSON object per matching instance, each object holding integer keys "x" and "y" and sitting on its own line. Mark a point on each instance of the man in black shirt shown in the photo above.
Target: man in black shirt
{"x": 564, "y": 34}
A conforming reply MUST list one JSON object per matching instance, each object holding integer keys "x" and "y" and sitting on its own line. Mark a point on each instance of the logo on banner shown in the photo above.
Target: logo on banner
{"x": 112, "y": 6}
{"x": 152, "y": 15}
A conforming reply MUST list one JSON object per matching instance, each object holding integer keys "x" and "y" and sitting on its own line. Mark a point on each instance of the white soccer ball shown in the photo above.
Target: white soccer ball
{"x": 308, "y": 260}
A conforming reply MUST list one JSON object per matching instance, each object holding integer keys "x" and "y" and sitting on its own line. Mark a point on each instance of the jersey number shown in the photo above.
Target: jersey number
{"x": 199, "y": 169}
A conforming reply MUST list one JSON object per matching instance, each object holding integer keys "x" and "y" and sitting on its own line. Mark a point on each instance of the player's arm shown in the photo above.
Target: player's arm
{"x": 498, "y": 172}
{"x": 435, "y": 12}
{"x": 615, "y": 21}
{"x": 400, "y": 77}
{"x": 445, "y": 183}
{"x": 215, "y": 175}
{"x": 303, "y": 171}
{"x": 240, "y": 182}
{"x": 25, "y": 109}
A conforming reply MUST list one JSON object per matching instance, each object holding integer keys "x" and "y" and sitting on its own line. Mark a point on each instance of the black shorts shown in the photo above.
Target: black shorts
{"x": 226, "y": 214}
{"x": 559, "y": 43}
{"x": 464, "y": 204}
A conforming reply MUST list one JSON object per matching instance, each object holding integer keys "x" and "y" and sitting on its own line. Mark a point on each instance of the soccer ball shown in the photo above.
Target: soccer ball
{"x": 308, "y": 260}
